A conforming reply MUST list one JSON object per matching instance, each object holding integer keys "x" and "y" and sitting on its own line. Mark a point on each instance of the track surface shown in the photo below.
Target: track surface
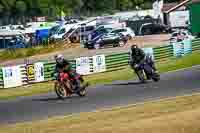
{"x": 119, "y": 93}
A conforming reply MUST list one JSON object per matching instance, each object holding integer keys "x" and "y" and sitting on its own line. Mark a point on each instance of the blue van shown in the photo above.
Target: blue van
{"x": 42, "y": 34}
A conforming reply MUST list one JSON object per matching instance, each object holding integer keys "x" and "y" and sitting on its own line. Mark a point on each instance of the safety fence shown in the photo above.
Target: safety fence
{"x": 50, "y": 67}
{"x": 1, "y": 78}
{"x": 196, "y": 45}
{"x": 12, "y": 76}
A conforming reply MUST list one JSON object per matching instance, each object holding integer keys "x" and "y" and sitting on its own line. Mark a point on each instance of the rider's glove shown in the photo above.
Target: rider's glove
{"x": 136, "y": 66}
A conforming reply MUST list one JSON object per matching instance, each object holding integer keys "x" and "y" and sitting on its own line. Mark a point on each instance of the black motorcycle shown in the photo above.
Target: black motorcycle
{"x": 145, "y": 68}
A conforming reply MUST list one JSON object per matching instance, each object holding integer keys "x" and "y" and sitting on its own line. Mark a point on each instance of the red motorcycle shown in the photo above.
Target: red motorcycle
{"x": 65, "y": 86}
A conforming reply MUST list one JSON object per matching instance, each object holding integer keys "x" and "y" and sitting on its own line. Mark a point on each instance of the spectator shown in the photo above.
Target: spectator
{"x": 180, "y": 37}
{"x": 27, "y": 40}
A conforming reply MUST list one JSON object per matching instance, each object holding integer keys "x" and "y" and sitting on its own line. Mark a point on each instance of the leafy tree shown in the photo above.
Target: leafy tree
{"x": 15, "y": 8}
{"x": 8, "y": 4}
{"x": 1, "y": 8}
{"x": 21, "y": 6}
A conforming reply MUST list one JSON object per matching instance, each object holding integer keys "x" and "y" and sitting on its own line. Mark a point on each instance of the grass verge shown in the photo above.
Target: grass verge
{"x": 27, "y": 52}
{"x": 9, "y": 54}
{"x": 175, "y": 115}
{"x": 39, "y": 50}
{"x": 102, "y": 78}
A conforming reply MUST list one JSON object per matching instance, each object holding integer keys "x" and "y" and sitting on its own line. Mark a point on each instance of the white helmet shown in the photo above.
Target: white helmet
{"x": 59, "y": 58}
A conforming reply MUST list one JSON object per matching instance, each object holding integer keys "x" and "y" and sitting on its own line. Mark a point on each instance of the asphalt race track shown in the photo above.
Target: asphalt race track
{"x": 106, "y": 96}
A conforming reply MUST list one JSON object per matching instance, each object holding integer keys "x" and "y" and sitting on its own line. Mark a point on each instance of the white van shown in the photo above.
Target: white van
{"x": 71, "y": 28}
{"x": 5, "y": 28}
{"x": 33, "y": 26}
{"x": 61, "y": 31}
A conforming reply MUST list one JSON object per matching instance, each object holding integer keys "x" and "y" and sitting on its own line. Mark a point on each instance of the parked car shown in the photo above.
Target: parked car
{"x": 17, "y": 42}
{"x": 113, "y": 39}
{"x": 98, "y": 32}
{"x": 5, "y": 28}
{"x": 71, "y": 21}
{"x": 53, "y": 30}
{"x": 152, "y": 28}
{"x": 128, "y": 32}
{"x": 74, "y": 34}
{"x": 180, "y": 35}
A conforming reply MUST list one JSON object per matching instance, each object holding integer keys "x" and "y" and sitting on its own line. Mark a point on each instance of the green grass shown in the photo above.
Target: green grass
{"x": 174, "y": 64}
{"x": 29, "y": 90}
{"x": 103, "y": 78}
{"x": 173, "y": 115}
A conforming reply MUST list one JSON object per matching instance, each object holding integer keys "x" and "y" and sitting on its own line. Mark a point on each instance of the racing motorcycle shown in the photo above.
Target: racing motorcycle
{"x": 145, "y": 68}
{"x": 66, "y": 86}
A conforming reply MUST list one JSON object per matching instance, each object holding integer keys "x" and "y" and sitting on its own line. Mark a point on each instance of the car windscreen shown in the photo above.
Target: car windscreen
{"x": 54, "y": 29}
{"x": 62, "y": 31}
{"x": 174, "y": 34}
{"x": 119, "y": 30}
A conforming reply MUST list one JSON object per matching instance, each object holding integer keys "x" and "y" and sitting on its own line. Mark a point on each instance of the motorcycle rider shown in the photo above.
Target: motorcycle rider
{"x": 138, "y": 57}
{"x": 64, "y": 64}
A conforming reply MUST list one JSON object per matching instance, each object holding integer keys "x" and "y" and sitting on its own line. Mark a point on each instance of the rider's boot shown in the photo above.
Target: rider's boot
{"x": 76, "y": 85}
{"x": 148, "y": 77}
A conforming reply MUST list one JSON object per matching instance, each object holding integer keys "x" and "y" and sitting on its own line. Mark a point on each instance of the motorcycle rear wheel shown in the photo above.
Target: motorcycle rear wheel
{"x": 82, "y": 91}
{"x": 156, "y": 77}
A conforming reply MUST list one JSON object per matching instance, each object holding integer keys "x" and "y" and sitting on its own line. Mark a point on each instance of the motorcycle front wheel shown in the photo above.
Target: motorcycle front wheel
{"x": 141, "y": 75}
{"x": 60, "y": 90}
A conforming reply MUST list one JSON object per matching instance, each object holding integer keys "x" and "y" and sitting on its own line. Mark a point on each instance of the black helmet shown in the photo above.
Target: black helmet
{"x": 133, "y": 47}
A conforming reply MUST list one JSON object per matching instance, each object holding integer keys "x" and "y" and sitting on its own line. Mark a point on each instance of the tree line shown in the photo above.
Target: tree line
{"x": 13, "y": 10}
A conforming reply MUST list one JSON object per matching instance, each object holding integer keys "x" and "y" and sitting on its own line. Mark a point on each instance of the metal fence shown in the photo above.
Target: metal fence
{"x": 113, "y": 62}
{"x": 163, "y": 52}
{"x": 196, "y": 45}
{"x": 1, "y": 78}
{"x": 50, "y": 67}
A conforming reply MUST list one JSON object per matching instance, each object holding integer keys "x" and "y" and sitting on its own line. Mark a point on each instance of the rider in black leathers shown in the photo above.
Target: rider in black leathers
{"x": 138, "y": 57}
